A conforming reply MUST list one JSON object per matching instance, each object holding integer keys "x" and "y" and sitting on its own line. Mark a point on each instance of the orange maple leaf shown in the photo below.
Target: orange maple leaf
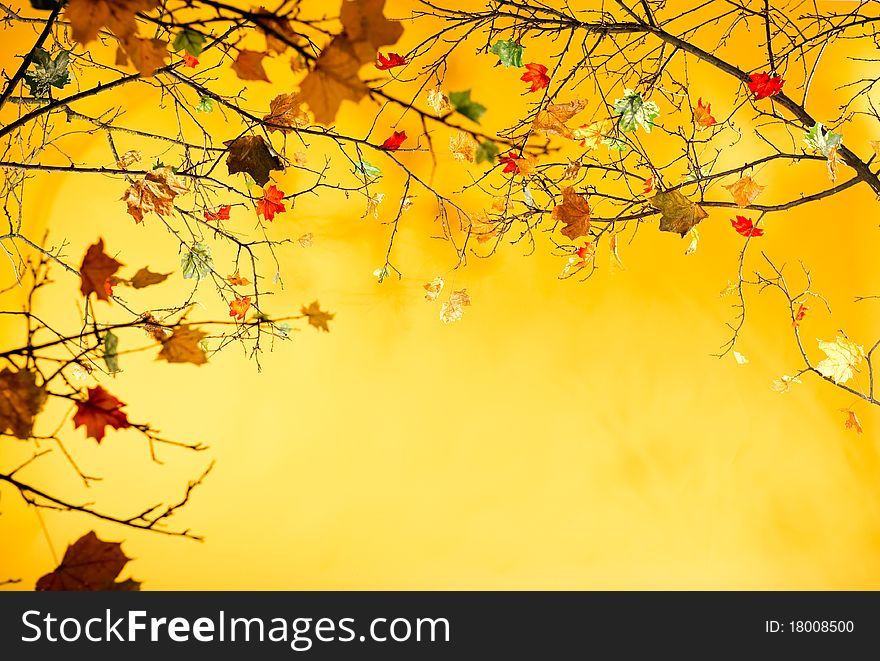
{"x": 99, "y": 411}
{"x": 239, "y": 307}
{"x": 271, "y": 203}
{"x": 536, "y": 74}
{"x": 703, "y": 114}
{"x": 237, "y": 280}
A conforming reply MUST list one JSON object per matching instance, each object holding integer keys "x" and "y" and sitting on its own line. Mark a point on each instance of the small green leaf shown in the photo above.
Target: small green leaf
{"x": 367, "y": 169}
{"x": 197, "y": 263}
{"x": 633, "y": 111}
{"x": 821, "y": 140}
{"x": 380, "y": 274}
{"x": 509, "y": 53}
{"x": 111, "y": 357}
{"x": 616, "y": 144}
{"x": 47, "y": 72}
{"x": 283, "y": 329}
{"x": 189, "y": 40}
{"x": 463, "y": 105}
{"x": 206, "y": 104}
{"x": 697, "y": 174}
{"x": 487, "y": 152}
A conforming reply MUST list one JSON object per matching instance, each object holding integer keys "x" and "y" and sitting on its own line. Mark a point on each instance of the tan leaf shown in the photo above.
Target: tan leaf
{"x": 453, "y": 308}
{"x": 183, "y": 346}
{"x": 285, "y": 113}
{"x": 249, "y": 65}
{"x": 833, "y": 164}
{"x": 574, "y": 212}
{"x": 87, "y": 17}
{"x": 571, "y": 170}
{"x": 364, "y": 21}
{"x": 695, "y": 242}
{"x": 433, "y": 289}
{"x": 155, "y": 192}
{"x": 852, "y": 420}
{"x": 679, "y": 214}
{"x": 463, "y": 147}
{"x": 145, "y": 277}
{"x": 333, "y": 80}
{"x": 438, "y": 101}
{"x": 843, "y": 358}
{"x": 279, "y": 32}
{"x": 251, "y": 154}
{"x": 96, "y": 270}
{"x": 299, "y": 158}
{"x": 237, "y": 281}
{"x": 373, "y": 202}
{"x": 21, "y": 399}
{"x": 128, "y": 159}
{"x": 482, "y": 227}
{"x": 744, "y": 191}
{"x": 306, "y": 240}
{"x": 317, "y": 317}
{"x": 783, "y": 384}
{"x": 552, "y": 119}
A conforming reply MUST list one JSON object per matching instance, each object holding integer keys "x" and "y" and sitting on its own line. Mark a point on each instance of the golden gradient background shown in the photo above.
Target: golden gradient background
{"x": 562, "y": 435}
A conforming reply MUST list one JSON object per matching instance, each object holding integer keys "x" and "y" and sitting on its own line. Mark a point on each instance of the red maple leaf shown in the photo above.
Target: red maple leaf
{"x": 221, "y": 214}
{"x": 763, "y": 85}
{"x": 99, "y": 411}
{"x": 800, "y": 314}
{"x": 510, "y": 162}
{"x": 393, "y": 60}
{"x": 239, "y": 307}
{"x": 271, "y": 203}
{"x": 393, "y": 143}
{"x": 745, "y": 227}
{"x": 703, "y": 114}
{"x": 190, "y": 61}
{"x": 650, "y": 184}
{"x": 537, "y": 76}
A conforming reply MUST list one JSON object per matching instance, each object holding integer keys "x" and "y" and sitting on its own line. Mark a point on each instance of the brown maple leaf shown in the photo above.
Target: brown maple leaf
{"x": 87, "y": 17}
{"x": 679, "y": 214}
{"x": 251, "y": 154}
{"x": 285, "y": 113}
{"x": 95, "y": 272}
{"x": 155, "y": 192}
{"x": 367, "y": 28}
{"x": 574, "y": 212}
{"x": 744, "y": 191}
{"x": 182, "y": 346}
{"x": 552, "y": 119}
{"x": 99, "y": 411}
{"x": 333, "y": 80}
{"x": 249, "y": 65}
{"x": 317, "y": 317}
{"x": 21, "y": 399}
{"x": 146, "y": 55}
{"x": 89, "y": 565}
{"x": 146, "y": 278}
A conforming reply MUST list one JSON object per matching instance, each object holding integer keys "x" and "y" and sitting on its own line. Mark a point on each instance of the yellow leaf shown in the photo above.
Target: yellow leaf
{"x": 852, "y": 421}
{"x": 744, "y": 191}
{"x": 552, "y": 119}
{"x": 679, "y": 214}
{"x": 591, "y": 134}
{"x": 128, "y": 159}
{"x": 783, "y": 384}
{"x": 438, "y": 101}
{"x": 844, "y": 356}
{"x": 453, "y": 308}
{"x": 317, "y": 318}
{"x": 434, "y": 288}
{"x": 183, "y": 346}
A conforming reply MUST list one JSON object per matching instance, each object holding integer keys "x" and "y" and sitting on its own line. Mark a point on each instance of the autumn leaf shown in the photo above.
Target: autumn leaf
{"x": 783, "y": 384}
{"x": 190, "y": 41}
{"x": 703, "y": 114}
{"x": 306, "y": 240}
{"x": 155, "y": 192}
{"x": 393, "y": 60}
{"x": 278, "y": 31}
{"x": 252, "y": 155}
{"x": 182, "y": 346}
{"x": 679, "y": 214}
{"x": 453, "y": 308}
{"x": 221, "y": 214}
{"x": 463, "y": 147}
{"x": 46, "y": 73}
{"x": 843, "y": 358}
{"x": 95, "y": 272}
{"x": 694, "y": 244}
{"x": 745, "y": 227}
{"x": 514, "y": 163}
{"x": 333, "y": 80}
{"x": 481, "y": 227}
{"x": 190, "y": 61}
{"x": 197, "y": 262}
{"x": 99, "y": 411}
{"x": 146, "y": 55}
{"x": 438, "y": 101}
{"x": 128, "y": 159}
{"x": 373, "y": 202}
{"x": 551, "y": 120}
{"x": 249, "y": 65}
{"x": 633, "y": 111}
{"x": 584, "y": 255}
{"x": 433, "y": 289}
{"x": 464, "y": 105}
{"x": 239, "y": 306}
{"x": 744, "y": 191}
{"x": 833, "y": 164}
{"x": 394, "y": 142}
{"x": 799, "y": 314}
{"x": 650, "y": 184}
{"x": 21, "y": 399}
{"x": 286, "y": 113}
{"x": 87, "y": 17}
{"x": 574, "y": 212}
{"x": 317, "y": 318}
{"x": 89, "y": 565}
{"x": 237, "y": 281}
{"x": 613, "y": 248}
{"x": 763, "y": 85}
{"x": 739, "y": 358}
{"x": 271, "y": 203}
{"x": 852, "y": 421}
{"x": 536, "y": 74}
{"x": 509, "y": 52}
{"x": 592, "y": 135}
{"x": 364, "y": 21}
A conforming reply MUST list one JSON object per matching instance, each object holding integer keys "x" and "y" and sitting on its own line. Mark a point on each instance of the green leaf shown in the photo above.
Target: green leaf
{"x": 823, "y": 141}
{"x": 487, "y": 152}
{"x": 189, "y": 40}
{"x": 463, "y": 105}
{"x": 617, "y": 144}
{"x": 197, "y": 262}
{"x": 47, "y": 72}
{"x": 509, "y": 52}
{"x": 696, "y": 175}
{"x": 367, "y": 169}
{"x": 206, "y": 104}
{"x": 633, "y": 111}
{"x": 111, "y": 357}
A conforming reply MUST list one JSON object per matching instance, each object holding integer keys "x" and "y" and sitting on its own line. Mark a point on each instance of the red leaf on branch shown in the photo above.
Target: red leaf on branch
{"x": 800, "y": 314}
{"x": 271, "y": 203}
{"x": 763, "y": 85}
{"x": 536, "y": 74}
{"x": 703, "y": 114}
{"x": 190, "y": 61}
{"x": 393, "y": 143}
{"x": 510, "y": 162}
{"x": 95, "y": 272}
{"x": 239, "y": 307}
{"x": 99, "y": 411}
{"x": 745, "y": 227}
{"x": 393, "y": 60}
{"x": 221, "y": 214}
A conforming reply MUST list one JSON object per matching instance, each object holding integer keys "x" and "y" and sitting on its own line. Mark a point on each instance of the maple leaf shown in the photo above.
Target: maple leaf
{"x": 744, "y": 191}
{"x": 509, "y": 52}
{"x": 393, "y": 143}
{"x": 393, "y": 60}
{"x": 89, "y": 565}
{"x": 453, "y": 308}
{"x": 633, "y": 111}
{"x": 783, "y": 384}
{"x": 87, "y": 17}
{"x": 99, "y": 411}
{"x": 239, "y": 307}
{"x": 844, "y": 356}
{"x": 574, "y": 212}
{"x": 536, "y": 74}
{"x": 271, "y": 203}
{"x": 147, "y": 55}
{"x": 650, "y": 185}
{"x": 317, "y": 318}
{"x": 463, "y": 147}
{"x": 286, "y": 113}
{"x": 237, "y": 280}
{"x": 592, "y": 135}
{"x": 678, "y": 213}
{"x": 551, "y": 120}
{"x": 197, "y": 262}
{"x": 21, "y": 399}
{"x": 190, "y": 41}
{"x": 221, "y": 214}
{"x": 585, "y": 254}
{"x": 46, "y": 72}
{"x": 128, "y": 159}
{"x": 433, "y": 289}
{"x": 464, "y": 105}
{"x": 145, "y": 278}
{"x": 818, "y": 139}
{"x": 251, "y": 154}
{"x": 333, "y": 80}
{"x": 745, "y": 227}
{"x": 95, "y": 272}
{"x": 852, "y": 421}
{"x": 278, "y": 31}
{"x": 510, "y": 162}
{"x": 249, "y": 65}
{"x": 483, "y": 228}
{"x": 182, "y": 346}
{"x": 763, "y": 85}
{"x": 438, "y": 101}
{"x": 155, "y": 192}
{"x": 703, "y": 114}
{"x": 364, "y": 23}
{"x": 799, "y": 314}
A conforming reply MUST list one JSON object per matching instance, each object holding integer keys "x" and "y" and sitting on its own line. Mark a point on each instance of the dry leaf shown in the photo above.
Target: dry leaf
{"x": 128, "y": 159}
{"x": 731, "y": 289}
{"x": 438, "y": 101}
{"x": 833, "y": 164}
{"x": 591, "y": 135}
{"x": 373, "y": 202}
{"x": 146, "y": 55}
{"x": 333, "y": 80}
{"x": 237, "y": 281}
{"x": 306, "y": 240}
{"x": 317, "y": 318}
{"x": 87, "y": 17}
{"x": 21, "y": 399}
{"x": 875, "y": 145}
{"x": 285, "y": 113}
{"x": 155, "y": 192}
{"x": 453, "y": 308}
{"x": 482, "y": 227}
{"x": 99, "y": 411}
{"x": 299, "y": 158}
{"x": 434, "y": 288}
{"x": 463, "y": 147}
{"x": 251, "y": 154}
{"x": 365, "y": 24}
{"x": 145, "y": 278}
{"x": 183, "y": 346}
{"x": 679, "y": 214}
{"x": 852, "y": 420}
{"x": 783, "y": 384}
{"x": 278, "y": 26}
{"x": 574, "y": 212}
{"x": 739, "y": 358}
{"x": 249, "y": 65}
{"x": 95, "y": 272}
{"x": 744, "y": 191}
{"x": 571, "y": 169}
{"x": 844, "y": 356}
{"x": 552, "y": 119}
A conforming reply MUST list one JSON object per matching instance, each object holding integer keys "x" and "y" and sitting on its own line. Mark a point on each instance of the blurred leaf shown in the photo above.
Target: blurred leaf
{"x": 111, "y": 357}
{"x": 463, "y": 105}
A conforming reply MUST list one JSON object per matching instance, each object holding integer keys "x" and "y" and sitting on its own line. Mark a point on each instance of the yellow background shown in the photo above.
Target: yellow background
{"x": 562, "y": 435}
